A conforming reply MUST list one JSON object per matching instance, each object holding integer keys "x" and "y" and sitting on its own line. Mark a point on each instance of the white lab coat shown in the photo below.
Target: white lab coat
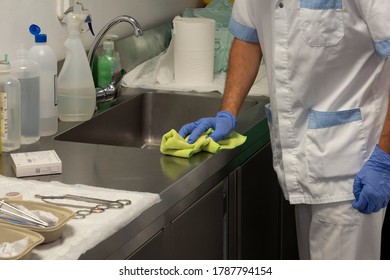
{"x": 329, "y": 83}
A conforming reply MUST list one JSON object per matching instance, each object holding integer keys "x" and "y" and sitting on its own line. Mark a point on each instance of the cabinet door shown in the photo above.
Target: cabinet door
{"x": 198, "y": 232}
{"x": 156, "y": 248}
{"x": 265, "y": 221}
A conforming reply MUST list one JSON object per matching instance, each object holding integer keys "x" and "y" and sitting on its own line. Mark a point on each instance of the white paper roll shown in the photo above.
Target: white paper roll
{"x": 193, "y": 50}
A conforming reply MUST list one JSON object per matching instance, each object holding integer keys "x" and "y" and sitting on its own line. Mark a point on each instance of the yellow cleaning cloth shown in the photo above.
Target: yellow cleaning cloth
{"x": 175, "y": 145}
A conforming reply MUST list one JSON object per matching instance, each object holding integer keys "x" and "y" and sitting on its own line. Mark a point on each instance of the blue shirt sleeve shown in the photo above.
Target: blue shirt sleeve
{"x": 242, "y": 32}
{"x": 376, "y": 15}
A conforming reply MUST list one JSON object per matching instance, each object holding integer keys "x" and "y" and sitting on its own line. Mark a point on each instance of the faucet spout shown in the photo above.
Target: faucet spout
{"x": 99, "y": 37}
{"x": 112, "y": 90}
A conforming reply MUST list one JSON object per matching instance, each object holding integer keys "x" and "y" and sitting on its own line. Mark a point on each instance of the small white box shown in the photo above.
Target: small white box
{"x": 36, "y": 163}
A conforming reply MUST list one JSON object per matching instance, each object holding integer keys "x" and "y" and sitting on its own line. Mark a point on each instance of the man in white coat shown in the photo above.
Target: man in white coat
{"x": 329, "y": 80}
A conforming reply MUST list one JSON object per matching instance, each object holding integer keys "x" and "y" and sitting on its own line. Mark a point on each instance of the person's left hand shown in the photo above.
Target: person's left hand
{"x": 372, "y": 184}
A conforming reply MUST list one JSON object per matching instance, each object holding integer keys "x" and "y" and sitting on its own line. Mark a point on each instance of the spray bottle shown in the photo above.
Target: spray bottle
{"x": 75, "y": 87}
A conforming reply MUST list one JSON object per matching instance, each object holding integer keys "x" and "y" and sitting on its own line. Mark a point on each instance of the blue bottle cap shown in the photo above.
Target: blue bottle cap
{"x": 41, "y": 38}
{"x": 36, "y": 30}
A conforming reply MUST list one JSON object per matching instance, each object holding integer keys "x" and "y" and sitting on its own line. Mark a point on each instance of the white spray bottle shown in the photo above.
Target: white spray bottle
{"x": 75, "y": 87}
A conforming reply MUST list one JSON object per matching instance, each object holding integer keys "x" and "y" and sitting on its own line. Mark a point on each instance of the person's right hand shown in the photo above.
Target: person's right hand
{"x": 223, "y": 125}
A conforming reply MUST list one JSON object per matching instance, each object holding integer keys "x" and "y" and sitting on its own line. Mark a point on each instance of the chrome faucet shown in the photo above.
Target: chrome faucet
{"x": 111, "y": 91}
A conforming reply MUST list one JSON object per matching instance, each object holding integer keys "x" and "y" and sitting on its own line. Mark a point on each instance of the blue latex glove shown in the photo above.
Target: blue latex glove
{"x": 223, "y": 124}
{"x": 372, "y": 184}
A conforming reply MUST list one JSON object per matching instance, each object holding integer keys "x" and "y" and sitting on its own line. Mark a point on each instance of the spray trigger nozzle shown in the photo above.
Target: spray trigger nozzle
{"x": 88, "y": 20}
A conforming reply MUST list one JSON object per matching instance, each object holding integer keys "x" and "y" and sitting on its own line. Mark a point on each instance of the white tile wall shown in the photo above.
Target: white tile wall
{"x": 17, "y": 15}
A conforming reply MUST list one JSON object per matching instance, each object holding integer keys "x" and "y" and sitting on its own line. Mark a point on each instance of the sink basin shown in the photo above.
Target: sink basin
{"x": 142, "y": 120}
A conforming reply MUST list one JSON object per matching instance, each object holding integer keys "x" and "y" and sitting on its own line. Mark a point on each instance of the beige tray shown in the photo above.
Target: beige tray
{"x": 49, "y": 233}
{"x": 11, "y": 233}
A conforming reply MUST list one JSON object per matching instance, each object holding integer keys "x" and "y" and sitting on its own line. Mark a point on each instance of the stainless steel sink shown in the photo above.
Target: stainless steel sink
{"x": 142, "y": 120}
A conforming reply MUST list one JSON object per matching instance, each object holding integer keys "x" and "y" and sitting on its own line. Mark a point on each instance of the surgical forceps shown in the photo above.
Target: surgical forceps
{"x": 15, "y": 213}
{"x": 82, "y": 213}
{"x": 101, "y": 203}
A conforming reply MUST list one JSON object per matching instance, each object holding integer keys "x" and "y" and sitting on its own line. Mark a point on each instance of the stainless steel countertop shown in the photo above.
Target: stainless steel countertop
{"x": 180, "y": 182}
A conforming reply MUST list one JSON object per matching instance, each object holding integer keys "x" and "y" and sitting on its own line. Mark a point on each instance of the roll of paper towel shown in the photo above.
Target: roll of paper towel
{"x": 193, "y": 50}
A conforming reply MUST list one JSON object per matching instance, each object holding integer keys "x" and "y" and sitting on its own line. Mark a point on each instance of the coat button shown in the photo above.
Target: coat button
{"x": 281, "y": 5}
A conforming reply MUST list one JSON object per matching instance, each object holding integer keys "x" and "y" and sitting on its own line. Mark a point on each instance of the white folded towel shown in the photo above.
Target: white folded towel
{"x": 83, "y": 234}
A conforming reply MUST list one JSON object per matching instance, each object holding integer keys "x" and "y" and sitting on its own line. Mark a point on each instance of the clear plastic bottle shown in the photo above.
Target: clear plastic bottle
{"x": 27, "y": 72}
{"x": 75, "y": 88}
{"x": 46, "y": 58}
{"x": 9, "y": 109}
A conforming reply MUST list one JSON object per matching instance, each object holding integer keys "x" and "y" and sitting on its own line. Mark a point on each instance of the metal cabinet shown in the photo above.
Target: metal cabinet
{"x": 156, "y": 248}
{"x": 197, "y": 233}
{"x": 243, "y": 217}
{"x": 261, "y": 221}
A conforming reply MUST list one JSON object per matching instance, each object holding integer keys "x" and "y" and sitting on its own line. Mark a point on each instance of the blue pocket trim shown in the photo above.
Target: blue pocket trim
{"x": 242, "y": 32}
{"x": 383, "y": 48}
{"x": 321, "y": 4}
{"x": 328, "y": 119}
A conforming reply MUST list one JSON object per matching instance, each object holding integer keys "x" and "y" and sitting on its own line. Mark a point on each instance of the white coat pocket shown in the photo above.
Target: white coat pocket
{"x": 335, "y": 144}
{"x": 321, "y": 22}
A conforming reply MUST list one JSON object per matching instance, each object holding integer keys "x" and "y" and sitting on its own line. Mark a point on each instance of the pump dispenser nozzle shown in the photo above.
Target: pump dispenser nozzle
{"x": 108, "y": 41}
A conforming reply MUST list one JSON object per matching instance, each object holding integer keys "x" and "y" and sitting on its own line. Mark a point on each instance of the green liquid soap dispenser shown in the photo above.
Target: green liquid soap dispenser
{"x": 108, "y": 63}
{"x": 75, "y": 87}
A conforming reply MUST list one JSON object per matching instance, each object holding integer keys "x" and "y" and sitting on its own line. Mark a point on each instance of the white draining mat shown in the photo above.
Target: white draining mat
{"x": 81, "y": 235}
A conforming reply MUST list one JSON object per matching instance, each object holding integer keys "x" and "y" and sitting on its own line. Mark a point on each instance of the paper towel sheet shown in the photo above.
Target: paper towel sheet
{"x": 157, "y": 73}
{"x": 83, "y": 234}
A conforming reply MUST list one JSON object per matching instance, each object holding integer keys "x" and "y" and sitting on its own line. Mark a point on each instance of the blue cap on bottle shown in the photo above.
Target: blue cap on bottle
{"x": 36, "y": 30}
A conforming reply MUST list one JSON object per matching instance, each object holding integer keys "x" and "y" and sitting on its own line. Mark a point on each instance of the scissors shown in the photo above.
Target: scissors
{"x": 101, "y": 203}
